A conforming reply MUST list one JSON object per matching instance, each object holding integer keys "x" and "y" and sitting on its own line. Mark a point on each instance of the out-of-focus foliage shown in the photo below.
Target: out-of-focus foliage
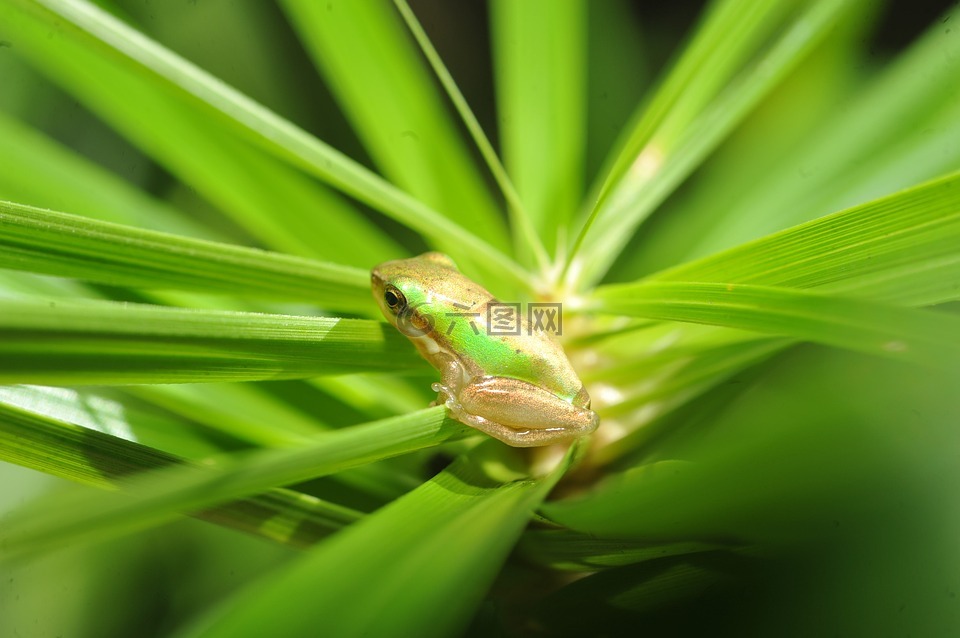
{"x": 750, "y": 211}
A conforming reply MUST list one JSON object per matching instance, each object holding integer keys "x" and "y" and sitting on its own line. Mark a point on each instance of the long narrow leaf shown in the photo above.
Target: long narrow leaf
{"x": 152, "y": 498}
{"x": 69, "y": 246}
{"x": 94, "y": 458}
{"x": 396, "y": 569}
{"x": 94, "y": 33}
{"x": 540, "y": 53}
{"x": 60, "y": 343}
{"x": 273, "y": 201}
{"x": 898, "y": 130}
{"x": 889, "y": 331}
{"x": 31, "y": 162}
{"x": 368, "y": 61}
{"x": 903, "y": 248}
{"x": 526, "y": 242}
{"x": 681, "y": 128}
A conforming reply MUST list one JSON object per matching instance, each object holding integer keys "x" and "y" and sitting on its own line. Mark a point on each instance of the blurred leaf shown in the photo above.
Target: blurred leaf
{"x": 153, "y": 498}
{"x": 902, "y": 128}
{"x": 901, "y": 248}
{"x": 70, "y": 246}
{"x": 822, "y": 443}
{"x": 378, "y": 395}
{"x": 827, "y": 463}
{"x": 59, "y": 343}
{"x": 539, "y": 52}
{"x": 567, "y": 550}
{"x": 31, "y": 162}
{"x": 274, "y": 202}
{"x": 119, "y": 418}
{"x": 527, "y": 244}
{"x": 902, "y": 333}
{"x": 242, "y": 410}
{"x": 740, "y": 53}
{"x": 94, "y": 457}
{"x": 100, "y": 39}
{"x": 786, "y": 118}
{"x": 368, "y": 60}
{"x": 393, "y": 573}
{"x": 615, "y": 601}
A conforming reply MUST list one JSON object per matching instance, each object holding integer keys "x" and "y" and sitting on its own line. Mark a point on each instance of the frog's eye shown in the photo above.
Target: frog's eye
{"x": 394, "y": 299}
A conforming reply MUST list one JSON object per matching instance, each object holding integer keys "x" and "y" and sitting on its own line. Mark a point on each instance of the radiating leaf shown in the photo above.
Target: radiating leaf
{"x": 61, "y": 342}
{"x": 98, "y": 38}
{"x": 527, "y": 244}
{"x": 69, "y": 246}
{"x": 900, "y": 129}
{"x": 539, "y": 52}
{"x": 275, "y": 203}
{"x": 395, "y": 571}
{"x": 740, "y": 53}
{"x": 903, "y": 248}
{"x": 32, "y": 439}
{"x": 367, "y": 60}
{"x": 31, "y": 162}
{"x": 152, "y": 498}
{"x": 879, "y": 329}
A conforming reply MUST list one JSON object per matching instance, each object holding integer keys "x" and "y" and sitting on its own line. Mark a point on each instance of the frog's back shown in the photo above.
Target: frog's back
{"x": 531, "y": 355}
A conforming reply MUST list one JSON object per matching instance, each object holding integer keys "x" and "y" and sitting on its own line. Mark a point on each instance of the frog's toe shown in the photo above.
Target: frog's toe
{"x": 446, "y": 397}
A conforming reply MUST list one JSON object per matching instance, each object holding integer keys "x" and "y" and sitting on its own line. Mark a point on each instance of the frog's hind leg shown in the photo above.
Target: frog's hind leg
{"x": 519, "y": 413}
{"x": 517, "y": 438}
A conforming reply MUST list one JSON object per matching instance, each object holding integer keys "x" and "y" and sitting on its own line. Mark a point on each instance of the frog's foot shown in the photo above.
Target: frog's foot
{"x": 517, "y": 437}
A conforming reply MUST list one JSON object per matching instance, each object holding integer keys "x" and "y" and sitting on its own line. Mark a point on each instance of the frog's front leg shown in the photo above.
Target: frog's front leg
{"x": 451, "y": 380}
{"x": 519, "y": 413}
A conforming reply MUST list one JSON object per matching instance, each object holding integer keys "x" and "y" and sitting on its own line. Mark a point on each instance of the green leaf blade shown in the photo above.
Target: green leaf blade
{"x": 35, "y": 440}
{"x": 741, "y": 51}
{"x": 397, "y": 567}
{"x": 540, "y": 53}
{"x": 882, "y": 330}
{"x": 901, "y": 248}
{"x": 156, "y": 497}
{"x": 281, "y": 207}
{"x": 69, "y": 246}
{"x": 60, "y": 343}
{"x": 91, "y": 33}
{"x": 368, "y": 61}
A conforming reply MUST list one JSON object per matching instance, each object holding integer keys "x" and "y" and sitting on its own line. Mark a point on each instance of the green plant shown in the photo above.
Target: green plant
{"x": 738, "y": 481}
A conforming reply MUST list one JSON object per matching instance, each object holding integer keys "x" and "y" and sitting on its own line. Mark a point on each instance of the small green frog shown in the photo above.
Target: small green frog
{"x": 517, "y": 388}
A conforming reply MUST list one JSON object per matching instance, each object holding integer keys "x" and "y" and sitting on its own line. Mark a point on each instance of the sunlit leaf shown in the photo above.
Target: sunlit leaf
{"x": 59, "y": 343}
{"x": 152, "y": 498}
{"x": 396, "y": 569}
{"x": 53, "y": 243}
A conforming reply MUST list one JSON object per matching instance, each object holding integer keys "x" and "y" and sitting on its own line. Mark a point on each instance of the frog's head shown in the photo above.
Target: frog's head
{"x": 403, "y": 289}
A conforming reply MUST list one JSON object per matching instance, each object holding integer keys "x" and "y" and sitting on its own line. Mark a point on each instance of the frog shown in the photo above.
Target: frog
{"x": 519, "y": 388}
